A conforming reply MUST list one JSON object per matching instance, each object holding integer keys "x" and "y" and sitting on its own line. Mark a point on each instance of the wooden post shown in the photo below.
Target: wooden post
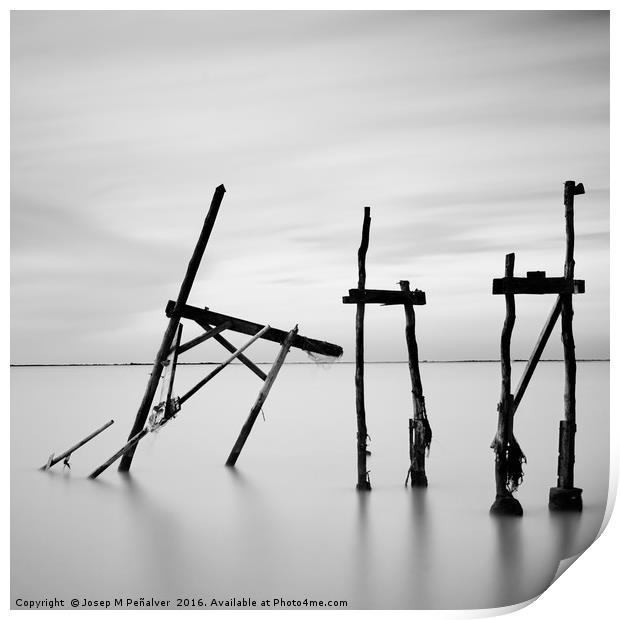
{"x": 53, "y": 460}
{"x": 168, "y": 408}
{"x": 504, "y": 442}
{"x": 565, "y": 496}
{"x": 173, "y": 323}
{"x": 422, "y": 433}
{"x": 262, "y": 397}
{"x": 363, "y": 478}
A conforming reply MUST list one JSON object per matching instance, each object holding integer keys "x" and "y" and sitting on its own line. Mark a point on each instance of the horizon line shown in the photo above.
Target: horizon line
{"x": 319, "y": 362}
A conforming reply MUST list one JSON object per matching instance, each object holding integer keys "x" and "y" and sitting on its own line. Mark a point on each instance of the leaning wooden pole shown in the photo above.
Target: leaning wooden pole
{"x": 363, "y": 478}
{"x": 67, "y": 453}
{"x": 262, "y": 397}
{"x": 508, "y": 455}
{"x": 565, "y": 496}
{"x": 173, "y": 322}
{"x": 420, "y": 440}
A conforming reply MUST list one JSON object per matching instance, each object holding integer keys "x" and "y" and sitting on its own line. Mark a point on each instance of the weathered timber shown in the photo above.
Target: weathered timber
{"x": 168, "y": 409}
{"x": 52, "y": 460}
{"x": 387, "y": 298}
{"x": 537, "y": 286}
{"x": 223, "y": 365}
{"x": 537, "y": 352}
{"x": 506, "y": 454}
{"x": 130, "y": 445}
{"x": 242, "y": 358}
{"x": 175, "y": 317}
{"x": 204, "y": 315}
{"x": 421, "y": 427}
{"x": 262, "y": 397}
{"x": 363, "y": 477}
{"x": 209, "y": 333}
{"x": 565, "y": 496}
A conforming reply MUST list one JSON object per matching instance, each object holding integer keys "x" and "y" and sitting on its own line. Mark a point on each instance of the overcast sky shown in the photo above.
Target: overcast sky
{"x": 458, "y": 129}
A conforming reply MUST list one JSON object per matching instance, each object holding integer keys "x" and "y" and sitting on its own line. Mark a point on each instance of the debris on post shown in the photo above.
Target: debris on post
{"x": 419, "y": 426}
{"x": 509, "y": 458}
{"x": 51, "y": 461}
{"x": 262, "y": 397}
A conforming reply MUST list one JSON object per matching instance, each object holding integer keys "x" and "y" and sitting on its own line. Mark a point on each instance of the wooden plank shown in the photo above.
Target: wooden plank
{"x": 223, "y": 365}
{"x": 175, "y": 317}
{"x": 537, "y": 352}
{"x": 209, "y": 333}
{"x": 204, "y": 315}
{"x": 53, "y": 460}
{"x": 389, "y": 298}
{"x": 262, "y": 397}
{"x": 537, "y": 286}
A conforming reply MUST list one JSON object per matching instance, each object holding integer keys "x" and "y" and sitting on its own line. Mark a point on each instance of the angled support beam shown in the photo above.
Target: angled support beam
{"x": 223, "y": 365}
{"x": 209, "y": 333}
{"x": 262, "y": 397}
{"x": 67, "y": 453}
{"x": 537, "y": 352}
{"x": 175, "y": 317}
{"x": 242, "y": 358}
{"x": 206, "y": 316}
{"x": 130, "y": 445}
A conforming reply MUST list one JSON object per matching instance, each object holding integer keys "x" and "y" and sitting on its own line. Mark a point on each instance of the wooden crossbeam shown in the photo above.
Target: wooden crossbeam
{"x": 387, "y": 298}
{"x": 204, "y": 315}
{"x": 537, "y": 352}
{"x": 242, "y": 358}
{"x": 537, "y": 286}
{"x": 209, "y": 333}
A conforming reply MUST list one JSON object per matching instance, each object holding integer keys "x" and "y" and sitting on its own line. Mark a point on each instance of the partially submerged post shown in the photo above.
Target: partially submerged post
{"x": 363, "y": 476}
{"x": 565, "y": 496}
{"x": 52, "y": 460}
{"x": 508, "y": 455}
{"x": 420, "y": 433}
{"x": 509, "y": 459}
{"x": 213, "y": 323}
{"x": 419, "y": 428}
{"x": 260, "y": 400}
{"x": 173, "y": 323}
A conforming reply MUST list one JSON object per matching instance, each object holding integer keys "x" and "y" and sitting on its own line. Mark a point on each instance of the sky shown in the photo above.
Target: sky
{"x": 458, "y": 129}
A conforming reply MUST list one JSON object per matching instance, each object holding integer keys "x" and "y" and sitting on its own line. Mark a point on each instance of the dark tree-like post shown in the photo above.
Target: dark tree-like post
{"x": 420, "y": 433}
{"x": 173, "y": 323}
{"x": 565, "y": 496}
{"x": 508, "y": 455}
{"x": 363, "y": 479}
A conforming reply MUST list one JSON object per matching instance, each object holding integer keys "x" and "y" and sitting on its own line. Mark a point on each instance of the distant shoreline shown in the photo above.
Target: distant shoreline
{"x": 327, "y": 361}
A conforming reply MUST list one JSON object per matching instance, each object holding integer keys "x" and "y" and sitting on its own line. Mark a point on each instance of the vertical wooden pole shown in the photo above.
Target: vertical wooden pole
{"x": 505, "y": 503}
{"x": 173, "y": 323}
{"x": 363, "y": 479}
{"x": 169, "y": 409}
{"x": 262, "y": 397}
{"x": 421, "y": 429}
{"x": 565, "y": 496}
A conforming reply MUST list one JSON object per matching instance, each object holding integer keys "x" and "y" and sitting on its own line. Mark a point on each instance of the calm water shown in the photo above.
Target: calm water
{"x": 287, "y": 522}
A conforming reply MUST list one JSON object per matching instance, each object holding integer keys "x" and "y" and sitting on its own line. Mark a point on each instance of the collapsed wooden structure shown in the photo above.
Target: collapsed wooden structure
{"x": 213, "y": 324}
{"x": 509, "y": 458}
{"x": 420, "y": 433}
